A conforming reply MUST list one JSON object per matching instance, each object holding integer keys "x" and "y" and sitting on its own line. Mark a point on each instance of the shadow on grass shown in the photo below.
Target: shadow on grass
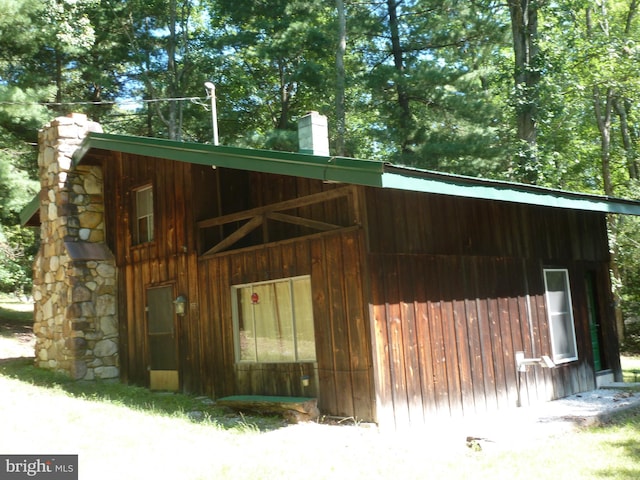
{"x": 623, "y": 472}
{"x": 188, "y": 407}
{"x": 628, "y": 424}
{"x": 14, "y": 322}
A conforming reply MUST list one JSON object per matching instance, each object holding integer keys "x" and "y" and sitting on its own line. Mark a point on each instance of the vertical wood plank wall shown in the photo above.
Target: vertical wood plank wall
{"x": 341, "y": 377}
{"x": 418, "y": 312}
{"x": 170, "y": 259}
{"x": 457, "y": 288}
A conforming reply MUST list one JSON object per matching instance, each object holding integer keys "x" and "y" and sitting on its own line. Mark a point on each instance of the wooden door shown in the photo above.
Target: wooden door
{"x": 161, "y": 336}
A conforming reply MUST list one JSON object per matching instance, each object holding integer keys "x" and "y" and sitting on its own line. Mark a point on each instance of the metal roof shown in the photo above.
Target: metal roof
{"x": 28, "y": 211}
{"x": 458, "y": 185}
{"x": 339, "y": 169}
{"x": 355, "y": 171}
{"x": 346, "y": 170}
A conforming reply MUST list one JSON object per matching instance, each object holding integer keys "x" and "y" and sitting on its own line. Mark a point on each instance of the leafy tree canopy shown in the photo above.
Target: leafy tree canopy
{"x": 434, "y": 84}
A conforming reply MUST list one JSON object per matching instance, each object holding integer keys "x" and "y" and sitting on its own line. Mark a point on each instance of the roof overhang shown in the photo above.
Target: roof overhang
{"x": 342, "y": 170}
{"x": 333, "y": 169}
{"x": 446, "y": 184}
{"x": 29, "y": 215}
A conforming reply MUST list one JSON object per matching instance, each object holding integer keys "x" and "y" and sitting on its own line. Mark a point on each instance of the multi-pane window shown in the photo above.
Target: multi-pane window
{"x": 143, "y": 228}
{"x": 273, "y": 321}
{"x": 560, "y": 315}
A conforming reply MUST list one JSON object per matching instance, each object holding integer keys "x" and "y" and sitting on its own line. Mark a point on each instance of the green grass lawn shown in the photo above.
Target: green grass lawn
{"x": 129, "y": 432}
{"x": 630, "y": 368}
{"x": 143, "y": 424}
{"x": 16, "y": 316}
{"x": 176, "y": 405}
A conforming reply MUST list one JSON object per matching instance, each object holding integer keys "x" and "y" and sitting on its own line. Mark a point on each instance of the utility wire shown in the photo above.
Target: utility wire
{"x": 109, "y": 102}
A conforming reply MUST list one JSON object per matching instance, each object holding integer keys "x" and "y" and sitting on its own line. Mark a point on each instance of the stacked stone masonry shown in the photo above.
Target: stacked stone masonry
{"x": 74, "y": 292}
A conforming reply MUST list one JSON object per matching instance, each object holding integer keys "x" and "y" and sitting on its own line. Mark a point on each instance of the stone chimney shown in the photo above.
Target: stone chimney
{"x": 74, "y": 275}
{"x": 313, "y": 134}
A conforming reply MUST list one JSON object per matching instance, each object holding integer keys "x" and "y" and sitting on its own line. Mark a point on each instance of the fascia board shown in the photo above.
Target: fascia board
{"x": 334, "y": 169}
{"x": 503, "y": 193}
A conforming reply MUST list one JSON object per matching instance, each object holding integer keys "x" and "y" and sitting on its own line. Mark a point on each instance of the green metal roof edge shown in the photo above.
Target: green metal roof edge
{"x": 29, "y": 210}
{"x": 355, "y": 171}
{"x": 337, "y": 169}
{"x": 448, "y": 184}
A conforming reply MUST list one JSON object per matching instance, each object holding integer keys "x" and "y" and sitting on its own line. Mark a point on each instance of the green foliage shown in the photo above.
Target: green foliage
{"x": 631, "y": 345}
{"x": 433, "y": 89}
{"x": 17, "y": 245}
{"x": 444, "y": 66}
{"x": 17, "y": 250}
{"x": 273, "y": 65}
{"x": 627, "y": 247}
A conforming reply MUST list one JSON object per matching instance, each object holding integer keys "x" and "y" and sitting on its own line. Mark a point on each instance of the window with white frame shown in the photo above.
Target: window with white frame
{"x": 143, "y": 228}
{"x": 560, "y": 315}
{"x": 273, "y": 321}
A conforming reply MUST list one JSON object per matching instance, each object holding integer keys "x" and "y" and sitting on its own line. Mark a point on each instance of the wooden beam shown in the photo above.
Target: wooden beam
{"x": 276, "y": 207}
{"x": 305, "y": 222}
{"x": 237, "y": 235}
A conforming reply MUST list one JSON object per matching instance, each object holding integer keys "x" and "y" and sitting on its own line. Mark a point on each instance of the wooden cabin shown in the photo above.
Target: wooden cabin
{"x": 390, "y": 294}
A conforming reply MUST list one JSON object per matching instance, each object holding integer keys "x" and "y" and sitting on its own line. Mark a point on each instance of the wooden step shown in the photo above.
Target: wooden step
{"x": 293, "y": 409}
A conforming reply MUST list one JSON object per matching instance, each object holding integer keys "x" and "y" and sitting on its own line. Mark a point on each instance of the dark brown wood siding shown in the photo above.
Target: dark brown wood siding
{"x": 411, "y": 222}
{"x": 425, "y": 298}
{"x": 341, "y": 378}
{"x": 457, "y": 288}
{"x": 168, "y": 260}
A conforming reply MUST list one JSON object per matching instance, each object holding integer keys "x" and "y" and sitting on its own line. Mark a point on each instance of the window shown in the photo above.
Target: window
{"x": 143, "y": 228}
{"x": 273, "y": 321}
{"x": 560, "y": 314}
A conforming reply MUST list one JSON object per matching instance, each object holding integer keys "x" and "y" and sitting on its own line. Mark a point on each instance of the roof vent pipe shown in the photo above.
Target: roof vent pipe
{"x": 313, "y": 134}
{"x": 211, "y": 93}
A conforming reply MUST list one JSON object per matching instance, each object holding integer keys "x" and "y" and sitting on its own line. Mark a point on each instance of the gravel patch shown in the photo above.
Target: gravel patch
{"x": 529, "y": 427}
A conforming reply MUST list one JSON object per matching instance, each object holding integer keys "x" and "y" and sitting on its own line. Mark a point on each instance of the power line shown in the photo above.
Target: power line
{"x": 111, "y": 102}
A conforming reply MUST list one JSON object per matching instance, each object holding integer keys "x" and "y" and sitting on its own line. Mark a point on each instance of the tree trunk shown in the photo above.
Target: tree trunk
{"x": 612, "y": 222}
{"x": 603, "y": 108}
{"x": 282, "y": 120}
{"x": 404, "y": 121}
{"x": 627, "y": 141}
{"x": 172, "y": 69}
{"x": 622, "y": 106}
{"x": 340, "y": 78}
{"x": 59, "y": 107}
{"x": 524, "y": 27}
